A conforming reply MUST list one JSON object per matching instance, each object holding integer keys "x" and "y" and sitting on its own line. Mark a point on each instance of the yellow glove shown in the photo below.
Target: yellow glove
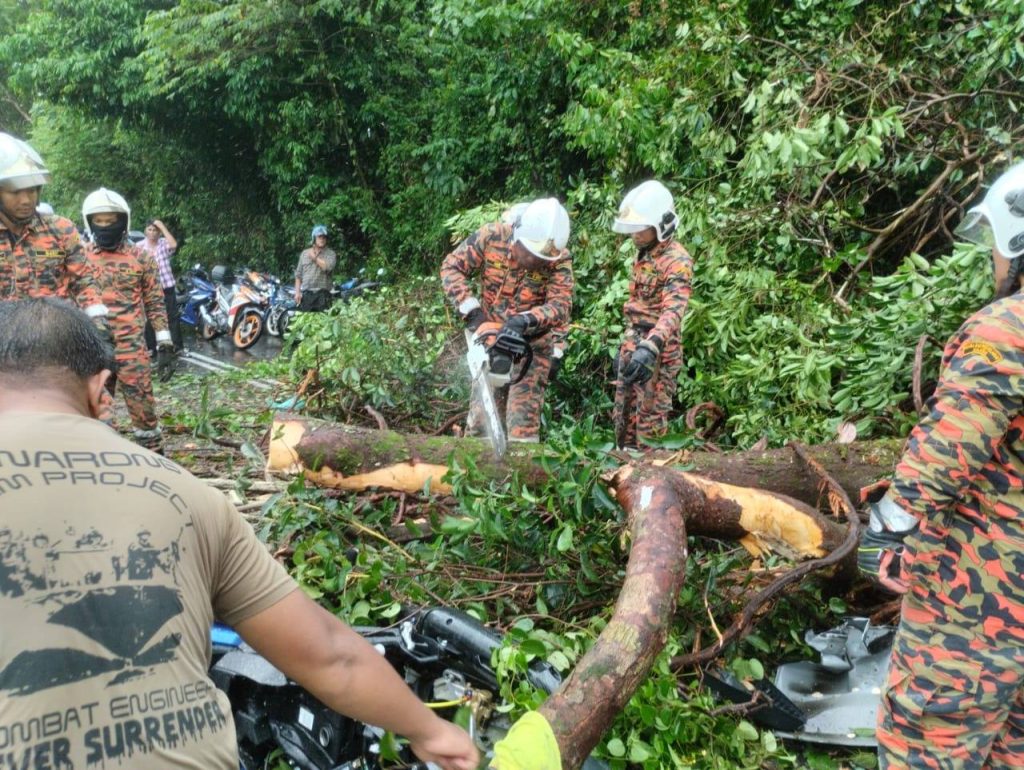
{"x": 529, "y": 745}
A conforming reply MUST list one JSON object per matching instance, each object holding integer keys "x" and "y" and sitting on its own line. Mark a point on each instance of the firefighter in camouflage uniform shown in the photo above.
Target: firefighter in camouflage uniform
{"x": 130, "y": 285}
{"x": 949, "y": 534}
{"x": 651, "y": 356}
{"x": 526, "y": 285}
{"x": 41, "y": 254}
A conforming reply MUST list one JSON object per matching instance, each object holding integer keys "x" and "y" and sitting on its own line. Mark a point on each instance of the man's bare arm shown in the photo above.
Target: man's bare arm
{"x": 344, "y": 671}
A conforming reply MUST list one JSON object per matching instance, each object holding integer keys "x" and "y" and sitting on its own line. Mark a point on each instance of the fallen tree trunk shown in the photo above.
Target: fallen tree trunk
{"x": 353, "y": 455}
{"x": 350, "y": 458}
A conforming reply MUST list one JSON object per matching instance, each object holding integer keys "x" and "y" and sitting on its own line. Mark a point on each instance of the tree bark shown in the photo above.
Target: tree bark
{"x": 346, "y": 457}
{"x": 604, "y": 679}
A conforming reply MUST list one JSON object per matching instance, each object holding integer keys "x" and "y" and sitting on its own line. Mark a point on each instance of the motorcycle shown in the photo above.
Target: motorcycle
{"x": 282, "y": 307}
{"x": 445, "y": 657}
{"x": 196, "y": 291}
{"x": 356, "y": 286}
{"x": 237, "y": 309}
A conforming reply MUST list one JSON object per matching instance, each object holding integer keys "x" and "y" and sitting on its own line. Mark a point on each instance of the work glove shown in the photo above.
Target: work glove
{"x": 530, "y": 744}
{"x": 520, "y": 323}
{"x": 881, "y": 546}
{"x": 165, "y": 361}
{"x": 641, "y": 364}
{"x": 556, "y": 364}
{"x": 474, "y": 318}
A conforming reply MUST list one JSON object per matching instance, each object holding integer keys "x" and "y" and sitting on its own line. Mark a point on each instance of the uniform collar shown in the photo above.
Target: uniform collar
{"x": 656, "y": 250}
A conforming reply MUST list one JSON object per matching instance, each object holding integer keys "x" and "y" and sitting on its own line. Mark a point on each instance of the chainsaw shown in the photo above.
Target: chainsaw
{"x": 496, "y": 358}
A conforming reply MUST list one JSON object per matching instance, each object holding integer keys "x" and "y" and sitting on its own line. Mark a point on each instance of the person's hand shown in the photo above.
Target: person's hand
{"x": 298, "y": 297}
{"x": 474, "y": 318}
{"x": 165, "y": 361}
{"x": 448, "y": 746}
{"x": 880, "y": 553}
{"x": 641, "y": 364}
{"x": 556, "y": 364}
{"x": 158, "y": 224}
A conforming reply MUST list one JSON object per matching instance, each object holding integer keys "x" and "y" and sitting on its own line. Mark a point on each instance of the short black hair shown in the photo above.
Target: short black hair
{"x": 46, "y": 340}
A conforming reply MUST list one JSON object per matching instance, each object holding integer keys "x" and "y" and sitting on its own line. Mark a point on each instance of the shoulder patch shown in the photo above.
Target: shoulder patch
{"x": 985, "y": 350}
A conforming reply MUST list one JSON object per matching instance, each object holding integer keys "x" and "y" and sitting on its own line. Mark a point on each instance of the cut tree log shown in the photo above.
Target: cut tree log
{"x": 348, "y": 457}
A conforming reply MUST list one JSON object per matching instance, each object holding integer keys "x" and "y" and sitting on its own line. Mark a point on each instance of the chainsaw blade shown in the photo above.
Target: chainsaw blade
{"x": 476, "y": 357}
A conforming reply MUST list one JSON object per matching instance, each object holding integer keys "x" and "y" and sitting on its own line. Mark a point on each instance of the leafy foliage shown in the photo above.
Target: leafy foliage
{"x": 403, "y": 364}
{"x": 820, "y": 153}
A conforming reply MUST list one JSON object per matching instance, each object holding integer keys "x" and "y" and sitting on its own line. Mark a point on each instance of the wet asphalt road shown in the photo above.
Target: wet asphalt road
{"x": 222, "y": 349}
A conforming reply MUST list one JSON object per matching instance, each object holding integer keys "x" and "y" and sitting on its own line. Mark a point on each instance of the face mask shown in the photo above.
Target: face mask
{"x": 109, "y": 237}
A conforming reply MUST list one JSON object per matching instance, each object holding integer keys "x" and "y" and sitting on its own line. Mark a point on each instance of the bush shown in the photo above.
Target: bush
{"x": 394, "y": 350}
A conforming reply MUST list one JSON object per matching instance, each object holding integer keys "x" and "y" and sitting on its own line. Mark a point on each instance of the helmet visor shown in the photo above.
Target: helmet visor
{"x": 627, "y": 228}
{"x": 546, "y": 250}
{"x": 976, "y": 228}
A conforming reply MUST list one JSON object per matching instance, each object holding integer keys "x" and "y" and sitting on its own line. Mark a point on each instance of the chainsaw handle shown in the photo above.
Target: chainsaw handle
{"x": 527, "y": 360}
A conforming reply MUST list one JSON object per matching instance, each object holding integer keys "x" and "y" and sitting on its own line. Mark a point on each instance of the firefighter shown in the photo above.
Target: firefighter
{"x": 526, "y": 285}
{"x": 130, "y": 285}
{"x": 948, "y": 533}
{"x": 41, "y": 254}
{"x": 651, "y": 356}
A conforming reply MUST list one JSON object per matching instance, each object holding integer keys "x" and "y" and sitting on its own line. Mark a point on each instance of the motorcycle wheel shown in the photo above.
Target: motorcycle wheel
{"x": 273, "y": 321}
{"x": 206, "y": 331}
{"x": 284, "y": 321}
{"x": 248, "y": 329}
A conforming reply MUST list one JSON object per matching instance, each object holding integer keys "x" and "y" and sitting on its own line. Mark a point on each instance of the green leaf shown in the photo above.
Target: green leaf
{"x": 533, "y": 647}
{"x": 746, "y": 731}
{"x": 565, "y": 539}
{"x": 616, "y": 748}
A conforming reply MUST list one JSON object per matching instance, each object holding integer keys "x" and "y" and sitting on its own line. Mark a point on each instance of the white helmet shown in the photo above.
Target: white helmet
{"x": 513, "y": 214}
{"x": 44, "y": 209}
{"x": 999, "y": 219}
{"x": 20, "y": 165}
{"x": 103, "y": 201}
{"x": 647, "y": 205}
{"x": 543, "y": 228}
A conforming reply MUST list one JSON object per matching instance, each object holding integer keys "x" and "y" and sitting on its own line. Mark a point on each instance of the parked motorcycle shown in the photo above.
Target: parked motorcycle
{"x": 237, "y": 309}
{"x": 196, "y": 291}
{"x": 353, "y": 287}
{"x": 282, "y": 307}
{"x": 444, "y": 655}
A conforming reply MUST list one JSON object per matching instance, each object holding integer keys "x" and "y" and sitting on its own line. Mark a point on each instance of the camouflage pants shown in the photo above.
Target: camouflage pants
{"x": 649, "y": 404}
{"x": 134, "y": 381}
{"x": 954, "y": 696}
{"x": 519, "y": 405}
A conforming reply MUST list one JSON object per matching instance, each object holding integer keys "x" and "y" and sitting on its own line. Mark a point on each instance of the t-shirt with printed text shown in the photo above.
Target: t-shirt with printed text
{"x": 114, "y": 562}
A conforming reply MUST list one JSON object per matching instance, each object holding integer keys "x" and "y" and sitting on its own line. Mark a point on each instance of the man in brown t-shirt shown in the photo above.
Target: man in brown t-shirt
{"x": 115, "y": 561}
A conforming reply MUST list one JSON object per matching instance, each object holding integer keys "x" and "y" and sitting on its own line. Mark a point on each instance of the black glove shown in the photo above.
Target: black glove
{"x": 881, "y": 546}
{"x": 474, "y": 318}
{"x": 641, "y": 364}
{"x": 520, "y": 323}
{"x": 556, "y": 366}
{"x": 165, "y": 361}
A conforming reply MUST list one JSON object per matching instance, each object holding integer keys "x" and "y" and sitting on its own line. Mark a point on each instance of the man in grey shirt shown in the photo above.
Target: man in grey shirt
{"x": 313, "y": 274}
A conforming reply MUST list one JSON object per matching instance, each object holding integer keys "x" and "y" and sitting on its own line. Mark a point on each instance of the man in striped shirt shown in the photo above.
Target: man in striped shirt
{"x": 161, "y": 245}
